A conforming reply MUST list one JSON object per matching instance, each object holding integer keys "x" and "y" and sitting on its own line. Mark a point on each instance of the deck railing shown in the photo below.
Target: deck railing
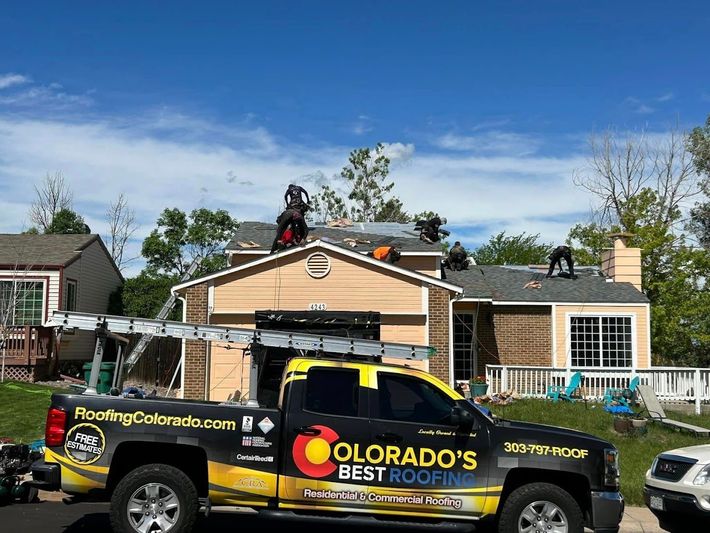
{"x": 672, "y": 384}
{"x": 25, "y": 344}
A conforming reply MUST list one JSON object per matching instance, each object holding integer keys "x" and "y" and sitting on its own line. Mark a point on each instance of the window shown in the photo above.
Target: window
{"x": 333, "y": 391}
{"x": 604, "y": 341}
{"x": 71, "y": 295}
{"x": 464, "y": 347}
{"x": 24, "y": 300}
{"x": 409, "y": 399}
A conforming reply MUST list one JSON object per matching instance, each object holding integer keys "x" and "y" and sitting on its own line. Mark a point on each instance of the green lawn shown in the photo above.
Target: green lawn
{"x": 636, "y": 453}
{"x": 23, "y": 410}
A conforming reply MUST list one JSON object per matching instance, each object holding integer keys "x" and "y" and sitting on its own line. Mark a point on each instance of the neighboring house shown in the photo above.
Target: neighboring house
{"x": 329, "y": 286}
{"x": 46, "y": 273}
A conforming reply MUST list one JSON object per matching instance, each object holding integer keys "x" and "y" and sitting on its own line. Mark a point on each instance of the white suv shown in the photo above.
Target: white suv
{"x": 678, "y": 489}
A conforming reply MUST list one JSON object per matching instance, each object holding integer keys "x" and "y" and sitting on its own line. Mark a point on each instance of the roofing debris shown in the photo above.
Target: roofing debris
{"x": 248, "y": 244}
{"x": 342, "y": 222}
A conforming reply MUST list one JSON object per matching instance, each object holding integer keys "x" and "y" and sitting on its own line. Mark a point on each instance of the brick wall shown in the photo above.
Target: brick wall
{"x": 515, "y": 335}
{"x": 439, "y": 332}
{"x": 196, "y": 351}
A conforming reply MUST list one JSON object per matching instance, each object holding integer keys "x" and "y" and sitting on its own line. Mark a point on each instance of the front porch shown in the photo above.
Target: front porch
{"x": 27, "y": 353}
{"x": 671, "y": 384}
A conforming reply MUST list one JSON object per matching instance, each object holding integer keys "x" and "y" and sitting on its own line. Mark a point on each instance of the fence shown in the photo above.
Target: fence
{"x": 672, "y": 384}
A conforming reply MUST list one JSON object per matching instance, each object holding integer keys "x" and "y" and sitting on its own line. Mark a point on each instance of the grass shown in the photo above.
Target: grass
{"x": 23, "y": 410}
{"x": 636, "y": 452}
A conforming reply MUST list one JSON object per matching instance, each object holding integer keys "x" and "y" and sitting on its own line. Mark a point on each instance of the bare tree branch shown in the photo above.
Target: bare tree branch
{"x": 122, "y": 225}
{"x": 53, "y": 195}
{"x": 619, "y": 169}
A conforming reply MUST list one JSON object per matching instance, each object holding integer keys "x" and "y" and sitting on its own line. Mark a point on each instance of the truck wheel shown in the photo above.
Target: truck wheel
{"x": 540, "y": 508}
{"x": 154, "y": 498}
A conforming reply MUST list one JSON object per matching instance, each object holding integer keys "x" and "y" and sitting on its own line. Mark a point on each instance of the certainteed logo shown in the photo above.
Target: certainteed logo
{"x": 311, "y": 453}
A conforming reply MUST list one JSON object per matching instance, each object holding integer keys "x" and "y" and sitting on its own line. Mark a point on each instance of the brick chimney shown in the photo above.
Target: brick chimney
{"x": 622, "y": 263}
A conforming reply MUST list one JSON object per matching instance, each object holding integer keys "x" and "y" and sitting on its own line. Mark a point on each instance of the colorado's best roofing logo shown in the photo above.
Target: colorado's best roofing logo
{"x": 311, "y": 453}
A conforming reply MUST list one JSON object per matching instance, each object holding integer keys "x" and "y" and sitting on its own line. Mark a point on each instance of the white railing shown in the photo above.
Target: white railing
{"x": 670, "y": 383}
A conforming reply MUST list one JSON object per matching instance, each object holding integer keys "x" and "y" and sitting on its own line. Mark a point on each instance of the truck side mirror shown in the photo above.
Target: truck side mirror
{"x": 461, "y": 418}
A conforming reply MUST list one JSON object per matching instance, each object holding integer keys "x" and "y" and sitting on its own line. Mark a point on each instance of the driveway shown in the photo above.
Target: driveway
{"x": 56, "y": 517}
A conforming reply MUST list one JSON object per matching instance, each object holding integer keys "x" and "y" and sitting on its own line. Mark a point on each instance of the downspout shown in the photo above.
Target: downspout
{"x": 182, "y": 348}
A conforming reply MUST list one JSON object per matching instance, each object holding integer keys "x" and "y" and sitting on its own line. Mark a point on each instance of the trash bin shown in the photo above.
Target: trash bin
{"x": 105, "y": 376}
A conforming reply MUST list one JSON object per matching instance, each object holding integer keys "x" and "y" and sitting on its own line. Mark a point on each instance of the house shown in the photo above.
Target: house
{"x": 477, "y": 317}
{"x": 46, "y": 273}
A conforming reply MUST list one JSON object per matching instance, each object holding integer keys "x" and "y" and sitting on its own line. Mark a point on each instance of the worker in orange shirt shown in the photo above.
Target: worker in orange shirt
{"x": 388, "y": 254}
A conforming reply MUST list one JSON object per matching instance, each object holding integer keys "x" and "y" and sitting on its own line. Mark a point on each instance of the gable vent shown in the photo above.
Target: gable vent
{"x": 318, "y": 265}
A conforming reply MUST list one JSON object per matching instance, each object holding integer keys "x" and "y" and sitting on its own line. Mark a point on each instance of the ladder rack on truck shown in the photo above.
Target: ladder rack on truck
{"x": 108, "y": 326}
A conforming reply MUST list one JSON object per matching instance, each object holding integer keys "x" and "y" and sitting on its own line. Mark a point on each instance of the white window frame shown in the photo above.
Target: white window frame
{"x": 76, "y": 295}
{"x": 33, "y": 279}
{"x": 453, "y": 341}
{"x": 634, "y": 337}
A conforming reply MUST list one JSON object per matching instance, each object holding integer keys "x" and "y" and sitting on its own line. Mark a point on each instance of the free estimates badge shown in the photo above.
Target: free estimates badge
{"x": 85, "y": 444}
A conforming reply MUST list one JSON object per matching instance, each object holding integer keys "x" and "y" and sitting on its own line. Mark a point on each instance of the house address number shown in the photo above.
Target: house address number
{"x": 317, "y": 307}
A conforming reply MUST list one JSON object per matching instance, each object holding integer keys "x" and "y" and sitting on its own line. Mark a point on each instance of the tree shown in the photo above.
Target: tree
{"x": 177, "y": 241}
{"x": 328, "y": 205}
{"x": 520, "y": 249}
{"x": 641, "y": 187}
{"x": 144, "y": 296}
{"x": 53, "y": 195}
{"x": 699, "y": 147}
{"x": 122, "y": 225}
{"x": 67, "y": 221}
{"x": 369, "y": 198}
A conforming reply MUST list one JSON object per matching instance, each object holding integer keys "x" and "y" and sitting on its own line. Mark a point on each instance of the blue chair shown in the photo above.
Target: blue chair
{"x": 617, "y": 395}
{"x": 560, "y": 392}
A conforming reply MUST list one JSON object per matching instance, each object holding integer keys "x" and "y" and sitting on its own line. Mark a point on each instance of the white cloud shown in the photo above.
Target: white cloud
{"x": 167, "y": 159}
{"x": 399, "y": 152}
{"x": 492, "y": 142}
{"x": 637, "y": 106}
{"x": 49, "y": 95}
{"x": 362, "y": 125}
{"x": 665, "y": 97}
{"x": 10, "y": 79}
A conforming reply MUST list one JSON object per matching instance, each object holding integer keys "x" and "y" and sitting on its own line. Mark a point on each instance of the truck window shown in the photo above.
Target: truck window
{"x": 410, "y": 399}
{"x": 332, "y": 391}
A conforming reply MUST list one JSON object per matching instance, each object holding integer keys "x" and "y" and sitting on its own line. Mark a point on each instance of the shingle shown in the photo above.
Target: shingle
{"x": 502, "y": 283}
{"x": 263, "y": 234}
{"x": 42, "y": 249}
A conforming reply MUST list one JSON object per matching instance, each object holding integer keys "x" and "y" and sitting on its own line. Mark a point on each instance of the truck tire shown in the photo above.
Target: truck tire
{"x": 540, "y": 507}
{"x": 159, "y": 493}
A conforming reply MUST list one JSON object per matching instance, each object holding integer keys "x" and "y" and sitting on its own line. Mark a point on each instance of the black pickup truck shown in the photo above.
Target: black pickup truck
{"x": 351, "y": 439}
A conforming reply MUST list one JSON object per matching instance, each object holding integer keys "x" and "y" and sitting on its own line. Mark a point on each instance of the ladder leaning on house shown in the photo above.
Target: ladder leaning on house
{"x": 107, "y": 326}
{"x": 145, "y": 339}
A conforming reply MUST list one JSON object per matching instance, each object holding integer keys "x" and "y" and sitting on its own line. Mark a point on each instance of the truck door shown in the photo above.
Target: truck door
{"x": 433, "y": 467}
{"x": 326, "y": 419}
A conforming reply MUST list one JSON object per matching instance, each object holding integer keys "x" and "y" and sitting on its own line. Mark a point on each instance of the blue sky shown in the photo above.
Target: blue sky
{"x": 486, "y": 107}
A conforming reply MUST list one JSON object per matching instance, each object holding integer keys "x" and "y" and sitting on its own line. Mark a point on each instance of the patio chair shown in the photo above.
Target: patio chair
{"x": 657, "y": 414}
{"x": 617, "y": 395}
{"x": 560, "y": 392}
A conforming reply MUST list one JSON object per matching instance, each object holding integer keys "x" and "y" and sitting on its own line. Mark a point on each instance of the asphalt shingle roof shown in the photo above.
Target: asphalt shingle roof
{"x": 263, "y": 234}
{"x": 506, "y": 284}
{"x": 56, "y": 250}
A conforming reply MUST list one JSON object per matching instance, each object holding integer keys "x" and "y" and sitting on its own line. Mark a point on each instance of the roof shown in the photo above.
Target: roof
{"x": 345, "y": 250}
{"x": 38, "y": 250}
{"x": 263, "y": 234}
{"x": 506, "y": 284}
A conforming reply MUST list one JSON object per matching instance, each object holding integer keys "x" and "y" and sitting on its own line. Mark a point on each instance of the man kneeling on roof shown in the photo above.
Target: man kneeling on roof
{"x": 430, "y": 230}
{"x": 388, "y": 254}
{"x": 292, "y": 230}
{"x": 556, "y": 257}
{"x": 457, "y": 259}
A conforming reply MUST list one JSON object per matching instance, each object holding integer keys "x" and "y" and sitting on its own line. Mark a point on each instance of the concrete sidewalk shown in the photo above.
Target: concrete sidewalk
{"x": 639, "y": 520}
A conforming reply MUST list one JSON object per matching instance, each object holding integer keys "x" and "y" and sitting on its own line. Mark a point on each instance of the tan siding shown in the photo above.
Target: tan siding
{"x": 350, "y": 286}
{"x": 227, "y": 362}
{"x": 641, "y": 331}
{"x": 96, "y": 279}
{"x": 407, "y": 330}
